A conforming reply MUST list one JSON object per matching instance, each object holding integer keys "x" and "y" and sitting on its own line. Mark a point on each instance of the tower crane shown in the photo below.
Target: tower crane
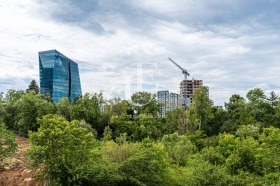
{"x": 184, "y": 71}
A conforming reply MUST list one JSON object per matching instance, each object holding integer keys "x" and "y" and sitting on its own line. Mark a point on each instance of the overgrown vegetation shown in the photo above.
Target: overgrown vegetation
{"x": 129, "y": 144}
{"x": 7, "y": 143}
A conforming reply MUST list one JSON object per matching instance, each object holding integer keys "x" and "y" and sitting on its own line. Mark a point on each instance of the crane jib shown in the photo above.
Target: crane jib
{"x": 184, "y": 71}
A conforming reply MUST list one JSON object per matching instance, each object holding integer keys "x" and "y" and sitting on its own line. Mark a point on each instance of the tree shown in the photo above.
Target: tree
{"x": 259, "y": 108}
{"x": 141, "y": 98}
{"x": 237, "y": 112}
{"x": 85, "y": 125}
{"x": 64, "y": 108}
{"x": 204, "y": 174}
{"x": 87, "y": 108}
{"x": 33, "y": 86}
{"x": 227, "y": 144}
{"x": 21, "y": 110}
{"x": 13, "y": 95}
{"x": 175, "y": 121}
{"x": 276, "y": 116}
{"x": 192, "y": 121}
{"x": 10, "y": 105}
{"x": 30, "y": 107}
{"x": 243, "y": 158}
{"x": 120, "y": 108}
{"x": 268, "y": 154}
{"x": 256, "y": 94}
{"x": 273, "y": 99}
{"x": 235, "y": 105}
{"x": 107, "y": 135}
{"x": 201, "y": 107}
{"x": 120, "y": 125}
{"x": 2, "y": 104}
{"x": 7, "y": 143}
{"x": 149, "y": 166}
{"x": 179, "y": 148}
{"x": 245, "y": 131}
{"x": 145, "y": 103}
{"x": 119, "y": 152}
{"x": 220, "y": 117}
{"x": 212, "y": 156}
{"x": 148, "y": 127}
{"x": 63, "y": 147}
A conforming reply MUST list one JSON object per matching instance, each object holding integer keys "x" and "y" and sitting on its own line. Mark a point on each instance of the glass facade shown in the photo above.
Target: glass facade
{"x": 59, "y": 76}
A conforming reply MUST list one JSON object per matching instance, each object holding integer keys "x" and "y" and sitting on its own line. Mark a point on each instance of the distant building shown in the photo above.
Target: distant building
{"x": 187, "y": 88}
{"x": 174, "y": 100}
{"x": 219, "y": 107}
{"x": 59, "y": 76}
{"x": 163, "y": 98}
{"x": 102, "y": 107}
{"x": 207, "y": 89}
{"x": 211, "y": 102}
{"x": 169, "y": 101}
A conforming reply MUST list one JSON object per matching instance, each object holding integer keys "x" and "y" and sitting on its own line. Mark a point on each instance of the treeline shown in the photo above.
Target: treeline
{"x": 115, "y": 142}
{"x": 139, "y": 118}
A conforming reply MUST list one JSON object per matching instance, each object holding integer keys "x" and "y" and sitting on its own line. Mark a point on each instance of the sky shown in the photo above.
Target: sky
{"x": 122, "y": 46}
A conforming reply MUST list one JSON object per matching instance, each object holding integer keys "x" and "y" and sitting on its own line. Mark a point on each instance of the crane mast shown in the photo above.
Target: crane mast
{"x": 184, "y": 71}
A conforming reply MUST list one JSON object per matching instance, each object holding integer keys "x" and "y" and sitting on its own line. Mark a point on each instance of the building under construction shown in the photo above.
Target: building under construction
{"x": 187, "y": 88}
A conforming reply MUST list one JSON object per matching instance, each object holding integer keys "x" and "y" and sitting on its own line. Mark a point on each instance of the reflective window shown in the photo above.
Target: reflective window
{"x": 59, "y": 76}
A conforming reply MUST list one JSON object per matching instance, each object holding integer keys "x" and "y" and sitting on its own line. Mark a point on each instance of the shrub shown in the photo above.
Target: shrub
{"x": 7, "y": 143}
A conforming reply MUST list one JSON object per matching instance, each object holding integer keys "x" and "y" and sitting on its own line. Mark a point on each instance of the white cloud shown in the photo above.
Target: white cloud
{"x": 230, "y": 58}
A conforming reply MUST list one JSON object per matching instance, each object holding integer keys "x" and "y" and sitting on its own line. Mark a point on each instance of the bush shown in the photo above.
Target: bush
{"x": 212, "y": 156}
{"x": 148, "y": 166}
{"x": 179, "y": 148}
{"x": 63, "y": 148}
{"x": 204, "y": 173}
{"x": 7, "y": 143}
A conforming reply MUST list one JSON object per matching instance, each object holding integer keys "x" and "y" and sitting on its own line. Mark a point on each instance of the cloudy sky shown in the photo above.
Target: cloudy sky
{"x": 123, "y": 46}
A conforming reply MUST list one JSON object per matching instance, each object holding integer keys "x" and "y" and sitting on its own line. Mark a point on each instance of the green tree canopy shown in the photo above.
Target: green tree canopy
{"x": 237, "y": 112}
{"x": 149, "y": 166}
{"x": 10, "y": 107}
{"x": 7, "y": 143}
{"x": 259, "y": 107}
{"x": 33, "y": 86}
{"x": 64, "y": 108}
{"x": 272, "y": 99}
{"x": 179, "y": 148}
{"x": 175, "y": 121}
{"x": 63, "y": 147}
{"x": 256, "y": 94}
{"x": 145, "y": 103}
{"x": 87, "y": 108}
{"x": 201, "y": 107}
{"x": 30, "y": 107}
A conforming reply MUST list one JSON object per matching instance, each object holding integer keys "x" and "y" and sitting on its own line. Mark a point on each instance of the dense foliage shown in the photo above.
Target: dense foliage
{"x": 63, "y": 147}
{"x": 116, "y": 142}
{"x": 7, "y": 143}
{"x": 33, "y": 86}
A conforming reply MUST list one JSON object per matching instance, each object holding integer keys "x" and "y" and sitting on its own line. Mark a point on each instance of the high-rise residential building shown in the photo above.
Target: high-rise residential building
{"x": 211, "y": 101}
{"x": 174, "y": 100}
{"x": 59, "y": 76}
{"x": 169, "y": 101}
{"x": 187, "y": 88}
{"x": 163, "y": 99}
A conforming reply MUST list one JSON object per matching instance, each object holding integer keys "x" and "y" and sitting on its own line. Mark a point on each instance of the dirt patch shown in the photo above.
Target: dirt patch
{"x": 17, "y": 171}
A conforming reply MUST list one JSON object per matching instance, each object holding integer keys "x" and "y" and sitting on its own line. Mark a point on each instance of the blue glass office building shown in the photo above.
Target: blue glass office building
{"x": 59, "y": 76}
